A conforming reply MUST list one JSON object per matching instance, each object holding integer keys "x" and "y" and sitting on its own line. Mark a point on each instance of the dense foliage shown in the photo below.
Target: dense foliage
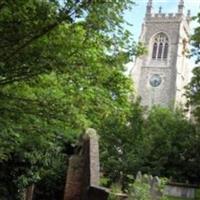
{"x": 61, "y": 70}
{"x": 170, "y": 146}
{"x": 142, "y": 190}
{"x": 120, "y": 151}
{"x": 161, "y": 143}
{"x": 193, "y": 89}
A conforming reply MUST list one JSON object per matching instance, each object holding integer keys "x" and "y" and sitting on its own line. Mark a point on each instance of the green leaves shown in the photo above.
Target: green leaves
{"x": 193, "y": 93}
{"x": 61, "y": 70}
{"x": 193, "y": 88}
{"x": 169, "y": 138}
{"x": 195, "y": 40}
{"x": 161, "y": 143}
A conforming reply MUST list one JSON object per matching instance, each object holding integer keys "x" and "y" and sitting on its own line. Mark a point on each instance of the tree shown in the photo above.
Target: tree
{"x": 193, "y": 88}
{"x": 26, "y": 25}
{"x": 169, "y": 143}
{"x": 120, "y": 136}
{"x": 161, "y": 143}
{"x": 61, "y": 70}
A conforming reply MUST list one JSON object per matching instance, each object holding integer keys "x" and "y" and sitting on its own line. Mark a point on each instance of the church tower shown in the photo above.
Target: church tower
{"x": 161, "y": 74}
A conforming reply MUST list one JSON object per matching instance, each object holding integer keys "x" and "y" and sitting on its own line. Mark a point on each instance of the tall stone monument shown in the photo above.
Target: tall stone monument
{"x": 161, "y": 74}
{"x": 82, "y": 182}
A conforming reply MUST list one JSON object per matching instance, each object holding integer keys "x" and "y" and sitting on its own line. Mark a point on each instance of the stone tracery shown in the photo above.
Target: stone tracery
{"x": 160, "y": 47}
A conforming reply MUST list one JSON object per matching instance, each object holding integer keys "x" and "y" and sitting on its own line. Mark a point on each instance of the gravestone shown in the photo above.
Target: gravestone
{"x": 94, "y": 166}
{"x": 83, "y": 171}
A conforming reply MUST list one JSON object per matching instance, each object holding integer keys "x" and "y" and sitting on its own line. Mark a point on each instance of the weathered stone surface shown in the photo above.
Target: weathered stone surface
{"x": 173, "y": 70}
{"x": 180, "y": 191}
{"x": 74, "y": 188}
{"x": 29, "y": 192}
{"x": 93, "y": 156}
{"x": 83, "y": 168}
{"x": 121, "y": 197}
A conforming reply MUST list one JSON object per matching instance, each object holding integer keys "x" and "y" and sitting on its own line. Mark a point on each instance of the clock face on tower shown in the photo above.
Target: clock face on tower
{"x": 155, "y": 80}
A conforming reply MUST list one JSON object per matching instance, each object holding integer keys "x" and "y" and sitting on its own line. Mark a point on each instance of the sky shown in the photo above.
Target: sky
{"x": 136, "y": 15}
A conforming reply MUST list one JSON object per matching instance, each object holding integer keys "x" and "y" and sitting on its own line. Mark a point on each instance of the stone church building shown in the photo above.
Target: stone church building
{"x": 161, "y": 74}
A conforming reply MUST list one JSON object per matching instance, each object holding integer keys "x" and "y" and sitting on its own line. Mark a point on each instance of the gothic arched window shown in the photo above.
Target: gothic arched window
{"x": 160, "y": 47}
{"x": 166, "y": 51}
{"x": 160, "y": 50}
{"x": 155, "y": 46}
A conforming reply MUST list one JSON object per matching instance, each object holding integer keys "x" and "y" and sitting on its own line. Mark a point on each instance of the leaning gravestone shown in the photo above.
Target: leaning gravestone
{"x": 83, "y": 171}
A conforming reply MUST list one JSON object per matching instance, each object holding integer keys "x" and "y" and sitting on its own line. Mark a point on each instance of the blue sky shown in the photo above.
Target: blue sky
{"x": 136, "y": 15}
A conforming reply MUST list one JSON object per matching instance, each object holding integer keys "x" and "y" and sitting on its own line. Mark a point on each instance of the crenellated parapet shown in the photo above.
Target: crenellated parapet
{"x": 169, "y": 16}
{"x": 160, "y": 16}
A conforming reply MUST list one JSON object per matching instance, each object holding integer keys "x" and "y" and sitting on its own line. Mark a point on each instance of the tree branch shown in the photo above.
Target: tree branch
{"x": 45, "y": 31}
{"x": 19, "y": 78}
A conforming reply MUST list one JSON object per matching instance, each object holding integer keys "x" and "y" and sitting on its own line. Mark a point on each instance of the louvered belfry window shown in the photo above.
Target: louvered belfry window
{"x": 160, "y": 47}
